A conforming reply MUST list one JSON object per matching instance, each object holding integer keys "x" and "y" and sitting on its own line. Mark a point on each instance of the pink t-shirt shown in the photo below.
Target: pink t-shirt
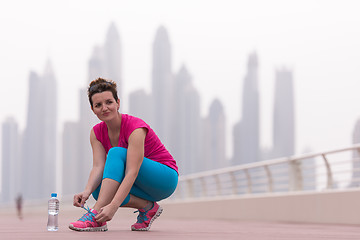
{"x": 153, "y": 148}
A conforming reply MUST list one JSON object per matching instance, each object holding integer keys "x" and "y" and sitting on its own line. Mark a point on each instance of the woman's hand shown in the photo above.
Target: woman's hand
{"x": 80, "y": 199}
{"x": 106, "y": 213}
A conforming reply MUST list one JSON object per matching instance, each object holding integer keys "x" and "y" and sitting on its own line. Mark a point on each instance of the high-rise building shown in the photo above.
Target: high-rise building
{"x": 185, "y": 137}
{"x": 105, "y": 62}
{"x": 112, "y": 57}
{"x": 284, "y": 115}
{"x": 31, "y": 143}
{"x": 246, "y": 132}
{"x": 96, "y": 64}
{"x": 74, "y": 178}
{"x": 216, "y": 136}
{"x": 87, "y": 118}
{"x": 76, "y": 147}
{"x": 39, "y": 141}
{"x": 141, "y": 105}
{"x": 49, "y": 128}
{"x": 10, "y": 160}
{"x": 162, "y": 85}
{"x": 81, "y": 157}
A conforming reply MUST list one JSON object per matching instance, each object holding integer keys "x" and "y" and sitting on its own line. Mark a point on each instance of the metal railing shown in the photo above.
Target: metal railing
{"x": 335, "y": 169}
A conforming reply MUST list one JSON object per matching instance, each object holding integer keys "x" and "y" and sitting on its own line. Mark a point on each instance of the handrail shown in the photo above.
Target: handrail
{"x": 260, "y": 175}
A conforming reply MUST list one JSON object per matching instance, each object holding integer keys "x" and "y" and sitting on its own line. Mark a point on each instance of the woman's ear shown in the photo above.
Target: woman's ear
{"x": 118, "y": 102}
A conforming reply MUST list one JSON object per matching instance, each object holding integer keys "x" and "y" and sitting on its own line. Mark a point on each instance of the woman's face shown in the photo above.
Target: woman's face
{"x": 104, "y": 105}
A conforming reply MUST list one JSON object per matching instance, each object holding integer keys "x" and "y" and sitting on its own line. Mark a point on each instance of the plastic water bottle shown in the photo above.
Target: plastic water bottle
{"x": 53, "y": 212}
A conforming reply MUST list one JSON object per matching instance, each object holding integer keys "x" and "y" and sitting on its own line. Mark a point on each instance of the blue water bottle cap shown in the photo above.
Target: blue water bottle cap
{"x": 54, "y": 195}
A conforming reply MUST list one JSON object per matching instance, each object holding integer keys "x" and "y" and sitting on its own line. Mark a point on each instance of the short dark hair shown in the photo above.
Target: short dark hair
{"x": 100, "y": 85}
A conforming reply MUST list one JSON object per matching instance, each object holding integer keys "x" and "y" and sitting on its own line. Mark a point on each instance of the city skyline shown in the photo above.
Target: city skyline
{"x": 196, "y": 142}
{"x": 323, "y": 61}
{"x": 214, "y": 50}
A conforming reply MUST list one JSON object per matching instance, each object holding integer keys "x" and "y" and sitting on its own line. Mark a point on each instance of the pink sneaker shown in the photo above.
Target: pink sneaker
{"x": 88, "y": 222}
{"x": 145, "y": 218}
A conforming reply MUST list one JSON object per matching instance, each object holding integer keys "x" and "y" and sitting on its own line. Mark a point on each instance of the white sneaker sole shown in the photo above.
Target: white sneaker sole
{"x": 89, "y": 229}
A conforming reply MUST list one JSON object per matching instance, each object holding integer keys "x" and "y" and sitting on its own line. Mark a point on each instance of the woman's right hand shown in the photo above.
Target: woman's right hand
{"x": 80, "y": 199}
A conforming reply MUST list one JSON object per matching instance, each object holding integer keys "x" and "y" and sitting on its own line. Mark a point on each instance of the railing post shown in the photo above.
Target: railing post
{"x": 249, "y": 183}
{"x": 269, "y": 177}
{"x": 234, "y": 183}
{"x": 203, "y": 184}
{"x": 295, "y": 175}
{"x": 178, "y": 194}
{"x": 218, "y": 185}
{"x": 190, "y": 188}
{"x": 329, "y": 173}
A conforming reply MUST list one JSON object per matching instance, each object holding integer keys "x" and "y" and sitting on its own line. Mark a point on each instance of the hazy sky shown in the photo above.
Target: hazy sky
{"x": 318, "y": 40}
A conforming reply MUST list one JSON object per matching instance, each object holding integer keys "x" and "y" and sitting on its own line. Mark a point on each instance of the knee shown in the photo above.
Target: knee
{"x": 117, "y": 153}
{"x": 115, "y": 164}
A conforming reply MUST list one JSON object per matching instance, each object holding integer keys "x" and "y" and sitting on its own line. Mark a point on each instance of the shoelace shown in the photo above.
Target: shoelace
{"x": 89, "y": 216}
{"x": 142, "y": 216}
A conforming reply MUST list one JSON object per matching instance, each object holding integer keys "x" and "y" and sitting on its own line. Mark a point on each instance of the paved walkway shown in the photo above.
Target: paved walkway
{"x": 33, "y": 226}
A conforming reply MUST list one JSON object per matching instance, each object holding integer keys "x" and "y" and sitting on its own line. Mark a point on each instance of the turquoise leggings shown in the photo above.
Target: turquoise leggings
{"x": 155, "y": 181}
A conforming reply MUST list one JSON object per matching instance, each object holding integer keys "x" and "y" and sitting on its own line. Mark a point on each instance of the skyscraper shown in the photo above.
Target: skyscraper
{"x": 141, "y": 105}
{"x": 284, "y": 115}
{"x": 216, "y": 123}
{"x": 87, "y": 119}
{"x": 10, "y": 160}
{"x": 49, "y": 130}
{"x": 162, "y": 85}
{"x": 185, "y": 136}
{"x": 39, "y": 141}
{"x": 112, "y": 57}
{"x": 105, "y": 62}
{"x": 31, "y": 146}
{"x": 74, "y": 176}
{"x": 246, "y": 132}
{"x": 81, "y": 157}
{"x": 96, "y": 64}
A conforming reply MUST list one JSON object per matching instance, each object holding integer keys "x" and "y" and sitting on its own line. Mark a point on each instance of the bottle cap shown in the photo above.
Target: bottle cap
{"x": 54, "y": 195}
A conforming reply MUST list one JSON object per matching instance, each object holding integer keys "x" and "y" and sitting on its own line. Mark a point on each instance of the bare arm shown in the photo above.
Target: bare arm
{"x": 99, "y": 158}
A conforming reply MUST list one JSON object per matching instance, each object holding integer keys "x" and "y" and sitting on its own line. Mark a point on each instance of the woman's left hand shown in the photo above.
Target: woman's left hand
{"x": 106, "y": 213}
